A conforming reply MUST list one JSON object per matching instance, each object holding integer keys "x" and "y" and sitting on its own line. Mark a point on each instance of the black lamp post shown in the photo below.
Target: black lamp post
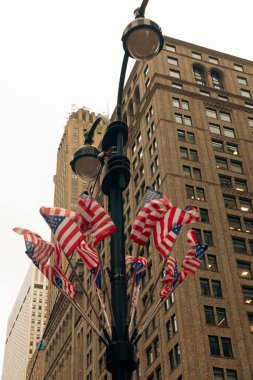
{"x": 142, "y": 40}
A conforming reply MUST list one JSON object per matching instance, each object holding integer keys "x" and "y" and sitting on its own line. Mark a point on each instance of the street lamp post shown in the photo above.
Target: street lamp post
{"x": 142, "y": 40}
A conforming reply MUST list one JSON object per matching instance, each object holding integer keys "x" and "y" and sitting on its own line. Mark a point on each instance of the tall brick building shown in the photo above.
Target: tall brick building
{"x": 190, "y": 118}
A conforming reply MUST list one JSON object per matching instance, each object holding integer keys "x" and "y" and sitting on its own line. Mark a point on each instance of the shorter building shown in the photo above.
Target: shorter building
{"x": 25, "y": 325}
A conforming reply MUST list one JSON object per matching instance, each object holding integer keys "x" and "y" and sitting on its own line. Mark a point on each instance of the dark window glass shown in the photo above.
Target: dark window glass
{"x": 221, "y": 163}
{"x": 250, "y": 318}
{"x": 171, "y": 360}
{"x": 248, "y": 225}
{"x": 239, "y": 245}
{"x": 245, "y": 204}
{"x": 200, "y": 194}
{"x": 216, "y": 78}
{"x": 234, "y": 222}
{"x": 193, "y": 155}
{"x": 244, "y": 269}
{"x": 197, "y": 174}
{"x": 199, "y": 75}
{"x": 214, "y": 345}
{"x": 231, "y": 374}
{"x": 177, "y": 354}
{"x": 226, "y": 182}
{"x": 218, "y": 145}
{"x": 227, "y": 347}
{"x": 218, "y": 373}
{"x": 241, "y": 184}
{"x": 190, "y": 191}
{"x": 190, "y": 137}
{"x": 212, "y": 263}
{"x": 251, "y": 246}
{"x": 247, "y": 294}
{"x": 187, "y": 171}
{"x": 181, "y": 135}
{"x": 208, "y": 238}
{"x": 221, "y": 317}
{"x": 229, "y": 201}
{"x": 205, "y": 288}
{"x": 168, "y": 329}
{"x": 216, "y": 285}
{"x": 198, "y": 234}
{"x": 209, "y": 315}
{"x": 183, "y": 152}
{"x": 204, "y": 215}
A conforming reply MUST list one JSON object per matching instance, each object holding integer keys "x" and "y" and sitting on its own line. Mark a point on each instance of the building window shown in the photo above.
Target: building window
{"x": 216, "y": 287}
{"x": 238, "y": 67}
{"x": 196, "y": 55}
{"x": 225, "y": 182}
{"x": 248, "y": 225}
{"x": 171, "y": 360}
{"x": 221, "y": 317}
{"x": 242, "y": 80}
{"x": 195, "y": 193}
{"x": 204, "y": 216}
{"x": 216, "y": 79}
{"x": 229, "y": 201}
{"x": 218, "y": 145}
{"x": 212, "y": 263}
{"x": 247, "y": 294}
{"x": 239, "y": 245}
{"x": 214, "y": 345}
{"x": 236, "y": 166}
{"x": 209, "y": 315}
{"x": 214, "y": 128}
{"x": 244, "y": 269}
{"x": 174, "y": 73}
{"x": 149, "y": 355}
{"x": 225, "y": 116}
{"x": 250, "y": 319}
{"x": 249, "y": 105}
{"x": 234, "y": 222}
{"x": 241, "y": 184}
{"x": 172, "y": 61}
{"x": 170, "y": 48}
{"x": 221, "y": 163}
{"x": 147, "y": 83}
{"x": 208, "y": 238}
{"x": 245, "y": 93}
{"x": 211, "y": 113}
{"x": 229, "y": 132}
{"x": 232, "y": 148}
{"x": 218, "y": 373}
{"x": 250, "y": 121}
{"x": 199, "y": 75}
{"x": 227, "y": 347}
{"x": 205, "y": 287}
{"x": 177, "y": 85}
{"x": 177, "y": 354}
{"x": 205, "y": 93}
{"x": 223, "y": 98}
{"x": 231, "y": 374}
{"x": 213, "y": 60}
{"x": 146, "y": 70}
{"x": 245, "y": 204}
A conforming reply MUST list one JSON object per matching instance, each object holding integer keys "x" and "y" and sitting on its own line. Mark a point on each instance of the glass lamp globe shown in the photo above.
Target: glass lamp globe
{"x": 142, "y": 39}
{"x": 86, "y": 163}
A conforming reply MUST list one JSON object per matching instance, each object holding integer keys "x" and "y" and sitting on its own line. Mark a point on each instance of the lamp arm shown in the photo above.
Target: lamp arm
{"x": 88, "y": 137}
{"x": 140, "y": 12}
{"x": 121, "y": 87}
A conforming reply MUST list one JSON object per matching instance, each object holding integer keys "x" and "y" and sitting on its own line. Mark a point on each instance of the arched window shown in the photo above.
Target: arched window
{"x": 199, "y": 74}
{"x": 216, "y": 79}
{"x": 130, "y": 108}
{"x": 137, "y": 98}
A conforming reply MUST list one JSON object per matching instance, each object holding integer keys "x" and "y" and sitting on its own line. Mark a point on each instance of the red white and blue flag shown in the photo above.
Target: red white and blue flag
{"x": 63, "y": 224}
{"x": 58, "y": 278}
{"x": 141, "y": 267}
{"x": 154, "y": 207}
{"x": 95, "y": 221}
{"x": 37, "y": 248}
{"x": 167, "y": 229}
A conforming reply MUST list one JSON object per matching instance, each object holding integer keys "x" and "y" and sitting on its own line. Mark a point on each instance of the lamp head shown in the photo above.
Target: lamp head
{"x": 142, "y": 39}
{"x": 86, "y": 163}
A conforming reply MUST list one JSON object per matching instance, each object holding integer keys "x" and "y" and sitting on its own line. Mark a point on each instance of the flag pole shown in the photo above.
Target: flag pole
{"x": 106, "y": 290}
{"x": 88, "y": 298}
{"x": 152, "y": 291}
{"x": 133, "y": 284}
{"x": 158, "y": 306}
{"x": 85, "y": 317}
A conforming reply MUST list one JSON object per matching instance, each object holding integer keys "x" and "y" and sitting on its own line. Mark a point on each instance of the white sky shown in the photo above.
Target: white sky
{"x": 58, "y": 53}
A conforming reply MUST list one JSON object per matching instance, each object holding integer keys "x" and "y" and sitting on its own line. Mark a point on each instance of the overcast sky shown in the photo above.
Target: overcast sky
{"x": 55, "y": 54}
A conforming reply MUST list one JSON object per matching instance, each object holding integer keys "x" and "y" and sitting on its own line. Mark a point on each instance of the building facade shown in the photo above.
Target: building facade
{"x": 25, "y": 325}
{"x": 190, "y": 118}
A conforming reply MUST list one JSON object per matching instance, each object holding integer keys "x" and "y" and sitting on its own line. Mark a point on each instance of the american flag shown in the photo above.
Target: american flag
{"x": 154, "y": 207}
{"x": 194, "y": 256}
{"x": 38, "y": 249}
{"x": 141, "y": 266}
{"x": 95, "y": 221}
{"x": 97, "y": 278}
{"x": 168, "y": 228}
{"x": 58, "y": 278}
{"x": 63, "y": 224}
{"x": 88, "y": 254}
